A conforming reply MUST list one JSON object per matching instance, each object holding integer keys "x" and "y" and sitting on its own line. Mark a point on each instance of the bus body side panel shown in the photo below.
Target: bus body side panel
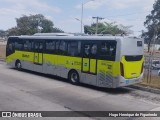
{"x": 49, "y": 66}
{"x": 61, "y": 65}
{"x": 10, "y": 60}
{"x": 66, "y": 63}
{"x": 26, "y": 59}
{"x": 107, "y": 73}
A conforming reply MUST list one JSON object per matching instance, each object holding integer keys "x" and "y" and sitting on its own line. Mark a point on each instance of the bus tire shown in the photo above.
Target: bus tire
{"x": 73, "y": 77}
{"x": 18, "y": 65}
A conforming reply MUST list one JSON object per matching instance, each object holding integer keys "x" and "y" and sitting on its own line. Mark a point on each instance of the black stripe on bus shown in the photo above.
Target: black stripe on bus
{"x": 134, "y": 58}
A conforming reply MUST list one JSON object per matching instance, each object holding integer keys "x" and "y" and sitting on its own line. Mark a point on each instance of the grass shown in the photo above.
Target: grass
{"x": 153, "y": 82}
{"x": 155, "y": 79}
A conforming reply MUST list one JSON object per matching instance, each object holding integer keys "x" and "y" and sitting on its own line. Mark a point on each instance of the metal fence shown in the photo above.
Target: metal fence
{"x": 151, "y": 68}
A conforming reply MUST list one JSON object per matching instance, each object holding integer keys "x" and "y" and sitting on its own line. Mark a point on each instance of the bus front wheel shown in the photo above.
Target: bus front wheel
{"x": 74, "y": 77}
{"x": 18, "y": 65}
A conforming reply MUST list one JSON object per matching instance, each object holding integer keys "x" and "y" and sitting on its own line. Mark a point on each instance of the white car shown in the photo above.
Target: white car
{"x": 158, "y": 72}
{"x": 155, "y": 64}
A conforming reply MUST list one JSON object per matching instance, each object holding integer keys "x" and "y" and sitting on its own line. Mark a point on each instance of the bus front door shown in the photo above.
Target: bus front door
{"x": 38, "y": 56}
{"x": 89, "y": 59}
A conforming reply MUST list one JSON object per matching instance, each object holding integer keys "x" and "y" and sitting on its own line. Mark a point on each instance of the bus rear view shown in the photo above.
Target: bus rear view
{"x": 131, "y": 61}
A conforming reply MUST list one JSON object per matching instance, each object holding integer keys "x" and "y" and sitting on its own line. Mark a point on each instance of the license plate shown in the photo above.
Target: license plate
{"x": 127, "y": 81}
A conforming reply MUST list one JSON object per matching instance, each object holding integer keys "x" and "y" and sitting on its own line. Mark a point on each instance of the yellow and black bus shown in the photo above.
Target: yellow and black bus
{"x": 104, "y": 61}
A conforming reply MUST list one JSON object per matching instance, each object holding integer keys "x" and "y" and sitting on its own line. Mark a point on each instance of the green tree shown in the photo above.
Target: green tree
{"x": 152, "y": 24}
{"x": 107, "y": 28}
{"x": 47, "y": 26}
{"x": 29, "y": 25}
{"x": 13, "y": 31}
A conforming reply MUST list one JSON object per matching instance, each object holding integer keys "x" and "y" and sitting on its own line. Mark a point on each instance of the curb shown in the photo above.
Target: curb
{"x": 147, "y": 88}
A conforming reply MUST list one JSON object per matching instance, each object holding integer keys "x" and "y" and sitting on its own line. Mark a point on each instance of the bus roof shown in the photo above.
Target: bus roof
{"x": 53, "y": 34}
{"x": 73, "y": 37}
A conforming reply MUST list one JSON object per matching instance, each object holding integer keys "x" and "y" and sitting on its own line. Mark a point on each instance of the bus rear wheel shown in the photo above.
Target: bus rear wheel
{"x": 18, "y": 65}
{"x": 74, "y": 77}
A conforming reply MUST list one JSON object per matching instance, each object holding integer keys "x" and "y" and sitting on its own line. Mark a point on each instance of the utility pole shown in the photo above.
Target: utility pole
{"x": 97, "y": 18}
{"x": 82, "y": 15}
{"x": 151, "y": 55}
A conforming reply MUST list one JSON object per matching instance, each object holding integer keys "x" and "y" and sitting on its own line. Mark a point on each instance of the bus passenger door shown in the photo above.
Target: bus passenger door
{"x": 38, "y": 56}
{"x": 89, "y": 58}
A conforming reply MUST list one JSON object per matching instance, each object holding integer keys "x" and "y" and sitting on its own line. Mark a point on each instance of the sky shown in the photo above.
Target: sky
{"x": 66, "y": 14}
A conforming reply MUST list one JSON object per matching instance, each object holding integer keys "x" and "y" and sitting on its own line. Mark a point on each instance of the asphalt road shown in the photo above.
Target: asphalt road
{"x": 30, "y": 91}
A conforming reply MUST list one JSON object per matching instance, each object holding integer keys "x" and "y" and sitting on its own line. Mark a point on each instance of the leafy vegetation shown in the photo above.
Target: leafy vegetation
{"x": 152, "y": 24}
{"x": 29, "y": 25}
{"x": 107, "y": 28}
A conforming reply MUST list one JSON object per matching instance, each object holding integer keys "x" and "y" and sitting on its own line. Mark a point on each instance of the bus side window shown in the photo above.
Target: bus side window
{"x": 57, "y": 45}
{"x": 10, "y": 46}
{"x": 28, "y": 45}
{"x": 10, "y": 49}
{"x": 73, "y": 48}
{"x": 108, "y": 50}
{"x": 112, "y": 50}
{"x": 19, "y": 45}
{"x": 50, "y": 46}
{"x": 62, "y": 48}
{"x": 87, "y": 50}
{"x": 36, "y": 46}
{"x": 41, "y": 46}
{"x": 94, "y": 50}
